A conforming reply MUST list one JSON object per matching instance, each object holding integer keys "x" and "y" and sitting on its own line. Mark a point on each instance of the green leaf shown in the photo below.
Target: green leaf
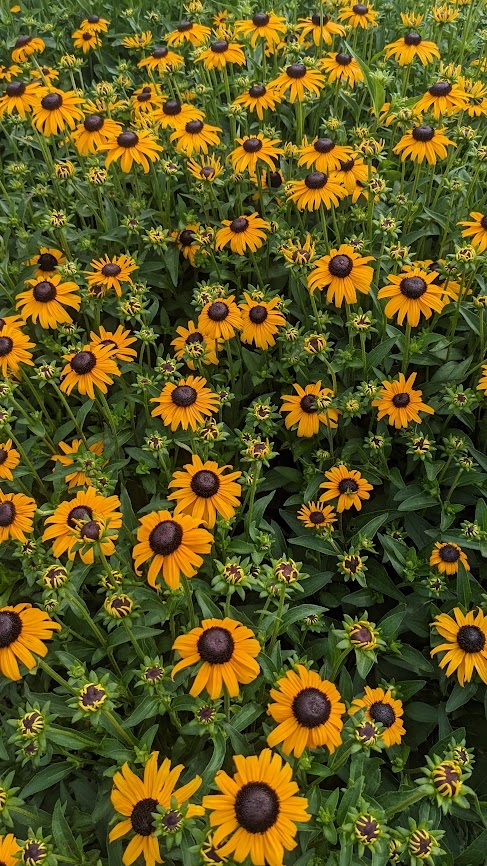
{"x": 474, "y": 855}
{"x": 464, "y": 591}
{"x": 414, "y": 503}
{"x": 245, "y": 716}
{"x": 460, "y": 695}
{"x": 312, "y": 543}
{"x": 46, "y": 778}
{"x": 63, "y": 837}
{"x": 299, "y": 612}
{"x": 216, "y": 760}
{"x": 390, "y": 624}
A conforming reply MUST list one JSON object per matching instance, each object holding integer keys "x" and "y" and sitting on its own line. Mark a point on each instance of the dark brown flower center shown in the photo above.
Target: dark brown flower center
{"x": 367, "y": 827}
{"x": 423, "y": 133}
{"x": 239, "y": 225}
{"x": 3, "y": 455}
{"x": 275, "y": 179}
{"x": 185, "y": 26}
{"x": 413, "y": 287}
{"x": 296, "y": 70}
{"x": 141, "y": 817}
{"x": 258, "y": 314}
{"x": 111, "y": 270}
{"x": 7, "y": 513}
{"x": 194, "y": 127}
{"x": 93, "y": 123}
{"x": 383, "y": 713}
{"x": 311, "y": 708}
{"x": 441, "y": 88}
{"x": 470, "y": 639}
{"x": 183, "y": 396}
{"x": 361, "y": 635}
{"x": 90, "y": 530}
{"x": 207, "y": 172}
{"x": 87, "y": 37}
{"x": 257, "y": 90}
{"x": 343, "y": 59}
{"x": 316, "y": 20}
{"x": 93, "y": 19}
{"x": 160, "y": 52}
{"x": 6, "y": 346}
{"x": 412, "y": 39}
{"x": 171, "y": 107}
{"x": 352, "y": 564}
{"x": 360, "y": 9}
{"x": 52, "y": 101}
{"x": 216, "y": 645}
{"x": 256, "y": 807}
{"x": 324, "y": 145}
{"x": 44, "y": 292}
{"x": 47, "y": 262}
{"x": 186, "y": 238}
{"x": 260, "y": 19}
{"x": 252, "y": 145}
{"x": 307, "y": 404}
{"x": 316, "y": 180}
{"x": 22, "y": 40}
{"x": 10, "y": 627}
{"x": 34, "y": 852}
{"x": 15, "y": 88}
{"x": 79, "y": 512}
{"x": 194, "y": 337}
{"x": 483, "y": 222}
{"x": 220, "y": 46}
{"x": 316, "y": 517}
{"x": 347, "y": 485}
{"x": 145, "y": 95}
{"x": 449, "y": 553}
{"x": 218, "y": 311}
{"x": 128, "y": 139}
{"x": 83, "y": 363}
{"x": 347, "y": 165}
{"x": 400, "y": 401}
{"x": 166, "y": 537}
{"x": 205, "y": 483}
{"x": 340, "y": 266}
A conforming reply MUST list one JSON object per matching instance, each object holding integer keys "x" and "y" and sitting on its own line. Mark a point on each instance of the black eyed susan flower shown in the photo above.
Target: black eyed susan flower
{"x": 242, "y": 233}
{"x": 118, "y": 606}
{"x": 308, "y": 711}
{"x": 315, "y": 190}
{"x": 46, "y": 74}
{"x": 9, "y": 459}
{"x": 447, "y": 779}
{"x": 188, "y": 337}
{"x": 323, "y": 154}
{"x": 68, "y": 457}
{"x": 195, "y": 137}
{"x": 95, "y": 24}
{"x": 308, "y": 409}
{"x": 203, "y": 490}
{"x": 476, "y": 95}
{"x": 23, "y": 630}
{"x": 220, "y": 319}
{"x": 367, "y": 829}
{"x": 44, "y": 301}
{"x": 189, "y": 31}
{"x": 400, "y": 402}
{"x": 482, "y": 385}
{"x": 444, "y": 14}
{"x": 412, "y": 293}
{"x": 465, "y": 647}
{"x": 25, "y": 46}
{"x": 442, "y": 98}
{"x": 9, "y": 850}
{"x": 9, "y": 72}
{"x": 446, "y": 556}
{"x": 46, "y": 262}
{"x": 209, "y": 853}
{"x": 92, "y": 365}
{"x": 476, "y": 229}
{"x": 94, "y": 131}
{"x": 297, "y": 80}
{"x": 258, "y": 809}
{"x": 137, "y": 800}
{"x": 259, "y": 98}
{"x": 14, "y": 349}
{"x": 55, "y": 109}
{"x": 226, "y": 651}
{"x": 139, "y": 40}
{"x": 260, "y": 321}
{"x": 19, "y": 98}
{"x": 220, "y": 53}
{"x": 410, "y": 46}
{"x": 140, "y": 147}
{"x": 174, "y": 546}
{"x": 206, "y": 168}
{"x": 342, "y": 67}
{"x": 253, "y": 151}
{"x": 343, "y": 272}
{"x": 380, "y": 707}
{"x": 317, "y": 515}
{"x": 110, "y": 273}
{"x": 90, "y": 512}
{"x": 353, "y": 174}
{"x": 424, "y": 143}
{"x": 161, "y": 60}
{"x": 118, "y": 342}
{"x": 174, "y": 114}
{"x": 320, "y": 28}
{"x": 263, "y": 25}
{"x": 87, "y": 40}
{"x": 359, "y": 16}
{"x": 16, "y": 516}
{"x": 185, "y": 404}
{"x": 297, "y": 253}
{"x": 347, "y": 486}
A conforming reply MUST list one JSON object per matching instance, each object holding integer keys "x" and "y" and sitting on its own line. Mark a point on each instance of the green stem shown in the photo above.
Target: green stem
{"x": 277, "y": 622}
{"x": 189, "y": 601}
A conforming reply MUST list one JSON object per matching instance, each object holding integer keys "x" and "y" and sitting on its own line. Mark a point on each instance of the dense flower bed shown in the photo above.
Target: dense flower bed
{"x": 243, "y": 524}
